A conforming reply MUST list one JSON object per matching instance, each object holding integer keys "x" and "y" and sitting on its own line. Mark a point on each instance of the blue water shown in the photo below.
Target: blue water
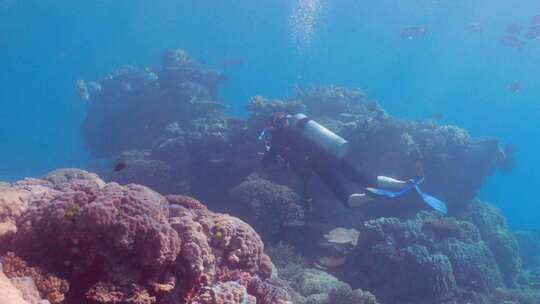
{"x": 45, "y": 46}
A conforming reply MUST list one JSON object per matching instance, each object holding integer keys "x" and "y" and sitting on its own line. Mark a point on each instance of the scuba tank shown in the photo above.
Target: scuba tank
{"x": 317, "y": 134}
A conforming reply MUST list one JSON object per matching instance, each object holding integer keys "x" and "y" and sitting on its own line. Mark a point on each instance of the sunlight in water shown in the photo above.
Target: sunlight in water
{"x": 302, "y": 22}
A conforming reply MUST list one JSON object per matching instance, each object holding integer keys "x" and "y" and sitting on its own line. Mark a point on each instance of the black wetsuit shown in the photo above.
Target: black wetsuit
{"x": 307, "y": 159}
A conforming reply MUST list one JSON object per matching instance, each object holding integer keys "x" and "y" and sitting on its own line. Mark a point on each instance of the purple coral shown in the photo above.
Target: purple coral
{"x": 129, "y": 242}
{"x": 85, "y": 231}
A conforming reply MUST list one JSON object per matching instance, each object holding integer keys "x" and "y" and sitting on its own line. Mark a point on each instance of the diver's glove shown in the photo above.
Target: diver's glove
{"x": 410, "y": 185}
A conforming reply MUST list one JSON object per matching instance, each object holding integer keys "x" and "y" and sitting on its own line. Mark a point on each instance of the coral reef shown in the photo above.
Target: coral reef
{"x": 167, "y": 129}
{"x": 503, "y": 243}
{"x": 167, "y": 126}
{"x": 129, "y": 244}
{"x": 316, "y": 284}
{"x": 15, "y": 293}
{"x": 313, "y": 286}
{"x": 516, "y": 296}
{"x": 444, "y": 266}
{"x": 173, "y": 117}
{"x": 346, "y": 295}
{"x": 392, "y": 147}
{"x": 269, "y": 207}
{"x": 134, "y": 105}
{"x": 286, "y": 260}
{"x": 14, "y": 201}
{"x": 225, "y": 293}
{"x": 140, "y": 168}
{"x": 50, "y": 287}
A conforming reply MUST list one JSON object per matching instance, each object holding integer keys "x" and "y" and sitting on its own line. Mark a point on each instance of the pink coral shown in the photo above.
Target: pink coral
{"x": 130, "y": 244}
{"x": 14, "y": 201}
{"x": 242, "y": 246}
{"x": 50, "y": 287}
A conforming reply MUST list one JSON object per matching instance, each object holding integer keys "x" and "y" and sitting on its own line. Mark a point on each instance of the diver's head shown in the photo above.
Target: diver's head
{"x": 278, "y": 121}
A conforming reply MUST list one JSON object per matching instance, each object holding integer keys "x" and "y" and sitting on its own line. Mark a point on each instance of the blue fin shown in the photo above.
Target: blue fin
{"x": 392, "y": 194}
{"x": 432, "y": 201}
{"x": 428, "y": 199}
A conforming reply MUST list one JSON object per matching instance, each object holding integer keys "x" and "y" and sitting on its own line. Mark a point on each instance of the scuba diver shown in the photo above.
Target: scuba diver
{"x": 309, "y": 148}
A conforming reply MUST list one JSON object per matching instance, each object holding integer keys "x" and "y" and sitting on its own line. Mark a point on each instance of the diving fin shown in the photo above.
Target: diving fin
{"x": 432, "y": 201}
{"x": 411, "y": 184}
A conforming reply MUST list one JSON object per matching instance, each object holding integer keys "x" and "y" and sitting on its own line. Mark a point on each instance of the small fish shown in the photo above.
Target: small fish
{"x": 533, "y": 32}
{"x": 232, "y": 62}
{"x": 513, "y": 29}
{"x": 511, "y": 41}
{"x": 120, "y": 166}
{"x": 515, "y": 87}
{"x": 412, "y": 32}
{"x": 473, "y": 27}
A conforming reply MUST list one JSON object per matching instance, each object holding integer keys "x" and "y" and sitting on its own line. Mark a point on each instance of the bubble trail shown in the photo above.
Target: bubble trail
{"x": 303, "y": 21}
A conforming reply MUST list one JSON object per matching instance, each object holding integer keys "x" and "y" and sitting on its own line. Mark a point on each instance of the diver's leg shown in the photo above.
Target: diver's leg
{"x": 331, "y": 177}
{"x": 354, "y": 174}
{"x": 357, "y": 176}
{"x": 357, "y": 200}
{"x": 306, "y": 197}
{"x": 390, "y": 183}
{"x": 334, "y": 180}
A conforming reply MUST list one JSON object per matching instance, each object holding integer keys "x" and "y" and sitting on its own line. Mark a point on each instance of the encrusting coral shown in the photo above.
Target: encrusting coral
{"x": 129, "y": 244}
{"x": 502, "y": 242}
{"x": 50, "y": 287}
{"x": 269, "y": 207}
{"x": 446, "y": 257}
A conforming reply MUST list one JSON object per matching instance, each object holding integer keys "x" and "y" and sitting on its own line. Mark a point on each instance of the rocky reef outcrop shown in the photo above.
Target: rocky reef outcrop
{"x": 167, "y": 127}
{"x": 168, "y": 123}
{"x": 85, "y": 241}
{"x": 133, "y": 105}
{"x": 269, "y": 207}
